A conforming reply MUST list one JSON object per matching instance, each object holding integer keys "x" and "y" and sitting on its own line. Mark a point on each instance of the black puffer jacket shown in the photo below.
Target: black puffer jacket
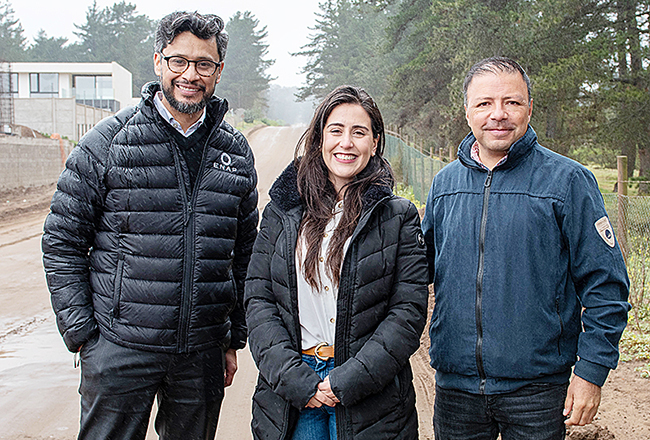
{"x": 127, "y": 249}
{"x": 380, "y": 315}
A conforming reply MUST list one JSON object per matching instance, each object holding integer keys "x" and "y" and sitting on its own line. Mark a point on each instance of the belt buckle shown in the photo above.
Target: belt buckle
{"x": 318, "y": 347}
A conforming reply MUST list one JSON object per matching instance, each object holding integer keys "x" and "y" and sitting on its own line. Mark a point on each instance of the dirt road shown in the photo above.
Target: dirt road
{"x": 38, "y": 384}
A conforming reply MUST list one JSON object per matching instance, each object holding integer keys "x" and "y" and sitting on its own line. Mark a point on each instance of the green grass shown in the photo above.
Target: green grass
{"x": 635, "y": 342}
{"x": 406, "y": 191}
{"x": 635, "y": 345}
{"x": 607, "y": 177}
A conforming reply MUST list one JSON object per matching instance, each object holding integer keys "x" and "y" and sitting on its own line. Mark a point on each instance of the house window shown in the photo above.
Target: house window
{"x": 44, "y": 85}
{"x": 93, "y": 87}
{"x": 9, "y": 83}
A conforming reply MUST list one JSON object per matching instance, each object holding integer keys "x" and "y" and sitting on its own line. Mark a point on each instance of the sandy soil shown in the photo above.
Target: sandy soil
{"x": 38, "y": 398}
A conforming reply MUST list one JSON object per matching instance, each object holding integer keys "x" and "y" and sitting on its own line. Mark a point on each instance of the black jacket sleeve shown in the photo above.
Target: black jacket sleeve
{"x": 268, "y": 315}
{"x": 246, "y": 232}
{"x": 69, "y": 233}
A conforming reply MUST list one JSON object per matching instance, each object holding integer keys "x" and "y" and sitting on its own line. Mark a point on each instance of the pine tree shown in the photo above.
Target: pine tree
{"x": 117, "y": 33}
{"x": 347, "y": 48}
{"x": 12, "y": 40}
{"x": 54, "y": 49}
{"x": 244, "y": 80}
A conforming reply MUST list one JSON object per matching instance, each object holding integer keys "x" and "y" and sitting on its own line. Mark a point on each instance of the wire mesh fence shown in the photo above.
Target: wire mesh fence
{"x": 629, "y": 215}
{"x": 411, "y": 166}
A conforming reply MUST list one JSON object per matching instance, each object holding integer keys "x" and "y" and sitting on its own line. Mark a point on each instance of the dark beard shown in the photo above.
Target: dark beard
{"x": 183, "y": 107}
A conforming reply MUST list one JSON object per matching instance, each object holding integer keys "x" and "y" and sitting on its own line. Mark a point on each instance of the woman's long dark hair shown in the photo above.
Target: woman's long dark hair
{"x": 318, "y": 193}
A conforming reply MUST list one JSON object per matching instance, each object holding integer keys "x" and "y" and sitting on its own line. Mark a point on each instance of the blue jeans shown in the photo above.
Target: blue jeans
{"x": 317, "y": 423}
{"x": 533, "y": 412}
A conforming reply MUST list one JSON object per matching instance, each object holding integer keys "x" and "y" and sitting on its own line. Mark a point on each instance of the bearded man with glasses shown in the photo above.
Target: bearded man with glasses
{"x": 147, "y": 244}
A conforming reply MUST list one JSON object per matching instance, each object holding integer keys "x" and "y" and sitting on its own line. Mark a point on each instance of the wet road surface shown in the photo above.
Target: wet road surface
{"x": 38, "y": 383}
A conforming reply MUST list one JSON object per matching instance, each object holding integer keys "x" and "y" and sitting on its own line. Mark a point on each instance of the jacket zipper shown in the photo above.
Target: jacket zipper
{"x": 117, "y": 286}
{"x": 341, "y": 351}
{"x": 189, "y": 250}
{"x": 479, "y": 284}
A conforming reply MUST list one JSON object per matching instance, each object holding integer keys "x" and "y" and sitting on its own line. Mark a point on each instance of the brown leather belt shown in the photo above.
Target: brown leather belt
{"x": 322, "y": 351}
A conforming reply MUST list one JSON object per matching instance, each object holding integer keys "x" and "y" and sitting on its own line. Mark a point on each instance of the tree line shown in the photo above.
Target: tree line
{"x": 119, "y": 33}
{"x": 587, "y": 59}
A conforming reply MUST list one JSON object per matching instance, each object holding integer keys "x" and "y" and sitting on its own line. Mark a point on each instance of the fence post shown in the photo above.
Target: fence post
{"x": 621, "y": 166}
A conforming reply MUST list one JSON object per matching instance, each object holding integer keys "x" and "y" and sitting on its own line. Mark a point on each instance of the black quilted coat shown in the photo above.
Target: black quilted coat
{"x": 380, "y": 315}
{"x": 131, "y": 251}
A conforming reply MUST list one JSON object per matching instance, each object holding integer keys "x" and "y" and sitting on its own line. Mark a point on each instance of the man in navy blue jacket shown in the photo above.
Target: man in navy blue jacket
{"x": 528, "y": 276}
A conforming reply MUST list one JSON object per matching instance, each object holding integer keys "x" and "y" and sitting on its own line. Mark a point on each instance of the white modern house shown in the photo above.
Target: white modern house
{"x": 65, "y": 98}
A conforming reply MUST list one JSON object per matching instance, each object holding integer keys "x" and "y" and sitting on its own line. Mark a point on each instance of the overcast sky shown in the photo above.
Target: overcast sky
{"x": 287, "y": 22}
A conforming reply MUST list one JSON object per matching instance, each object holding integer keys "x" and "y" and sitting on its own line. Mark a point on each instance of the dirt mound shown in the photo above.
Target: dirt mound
{"x": 589, "y": 432}
{"x": 16, "y": 202}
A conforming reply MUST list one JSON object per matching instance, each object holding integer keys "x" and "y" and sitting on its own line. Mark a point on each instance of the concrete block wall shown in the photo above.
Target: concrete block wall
{"x": 47, "y": 115}
{"x": 86, "y": 118}
{"x": 31, "y": 162}
{"x": 57, "y": 115}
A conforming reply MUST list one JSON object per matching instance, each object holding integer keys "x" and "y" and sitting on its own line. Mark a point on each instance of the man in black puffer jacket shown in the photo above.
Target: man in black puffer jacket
{"x": 147, "y": 245}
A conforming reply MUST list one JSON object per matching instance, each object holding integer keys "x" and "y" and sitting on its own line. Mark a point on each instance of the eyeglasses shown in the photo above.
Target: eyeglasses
{"x": 178, "y": 64}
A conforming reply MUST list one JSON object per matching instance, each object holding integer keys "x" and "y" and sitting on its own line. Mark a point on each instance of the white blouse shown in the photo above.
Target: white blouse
{"x": 317, "y": 309}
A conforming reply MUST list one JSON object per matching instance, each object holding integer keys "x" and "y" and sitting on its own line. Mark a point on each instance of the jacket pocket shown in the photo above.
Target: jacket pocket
{"x": 233, "y": 302}
{"x": 271, "y": 413}
{"x": 117, "y": 287}
{"x": 405, "y": 378}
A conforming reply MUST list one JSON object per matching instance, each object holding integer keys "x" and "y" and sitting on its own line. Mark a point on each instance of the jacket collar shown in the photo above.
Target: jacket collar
{"x": 284, "y": 191}
{"x": 517, "y": 152}
{"x": 216, "y": 107}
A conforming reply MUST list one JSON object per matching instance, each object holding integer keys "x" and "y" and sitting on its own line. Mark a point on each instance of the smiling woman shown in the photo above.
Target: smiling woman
{"x": 348, "y": 144}
{"x": 336, "y": 291}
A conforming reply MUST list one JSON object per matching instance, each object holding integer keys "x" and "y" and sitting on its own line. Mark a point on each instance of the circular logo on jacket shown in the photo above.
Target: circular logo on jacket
{"x": 226, "y": 159}
{"x": 420, "y": 239}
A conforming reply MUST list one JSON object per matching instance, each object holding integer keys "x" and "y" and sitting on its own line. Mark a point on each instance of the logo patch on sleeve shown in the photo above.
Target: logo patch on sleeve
{"x": 604, "y": 228}
{"x": 420, "y": 239}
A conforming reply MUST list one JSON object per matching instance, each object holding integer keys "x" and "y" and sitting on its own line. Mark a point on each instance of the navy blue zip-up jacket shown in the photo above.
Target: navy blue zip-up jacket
{"x": 132, "y": 251}
{"x": 515, "y": 254}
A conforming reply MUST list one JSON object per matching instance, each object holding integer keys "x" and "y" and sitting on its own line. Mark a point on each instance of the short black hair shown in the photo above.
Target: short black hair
{"x": 495, "y": 65}
{"x": 203, "y": 26}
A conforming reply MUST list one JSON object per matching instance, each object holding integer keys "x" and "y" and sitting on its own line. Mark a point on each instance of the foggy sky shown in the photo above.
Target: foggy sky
{"x": 287, "y": 21}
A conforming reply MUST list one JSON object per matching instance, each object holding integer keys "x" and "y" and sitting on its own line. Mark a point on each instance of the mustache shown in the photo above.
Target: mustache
{"x": 192, "y": 83}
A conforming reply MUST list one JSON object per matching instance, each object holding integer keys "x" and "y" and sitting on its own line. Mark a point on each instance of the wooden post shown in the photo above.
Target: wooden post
{"x": 621, "y": 229}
